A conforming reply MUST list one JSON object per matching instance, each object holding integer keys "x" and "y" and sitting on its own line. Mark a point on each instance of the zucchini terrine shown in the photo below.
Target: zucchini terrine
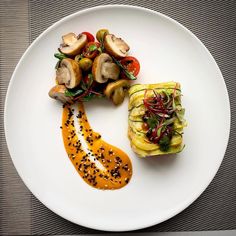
{"x": 156, "y": 119}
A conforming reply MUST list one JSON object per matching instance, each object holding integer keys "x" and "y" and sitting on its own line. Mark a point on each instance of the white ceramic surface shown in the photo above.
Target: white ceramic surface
{"x": 160, "y": 187}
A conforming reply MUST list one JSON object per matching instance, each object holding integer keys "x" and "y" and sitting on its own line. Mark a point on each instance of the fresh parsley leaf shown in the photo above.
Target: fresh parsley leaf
{"x": 164, "y": 143}
{"x": 73, "y": 92}
{"x": 152, "y": 122}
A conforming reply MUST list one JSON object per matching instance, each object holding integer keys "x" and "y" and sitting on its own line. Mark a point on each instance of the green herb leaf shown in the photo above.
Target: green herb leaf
{"x": 73, "y": 92}
{"x": 128, "y": 74}
{"x": 164, "y": 143}
{"x": 60, "y": 56}
{"x": 92, "y": 48}
{"x": 152, "y": 122}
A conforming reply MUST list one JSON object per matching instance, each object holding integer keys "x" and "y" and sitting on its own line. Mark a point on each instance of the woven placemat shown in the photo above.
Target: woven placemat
{"x": 213, "y": 22}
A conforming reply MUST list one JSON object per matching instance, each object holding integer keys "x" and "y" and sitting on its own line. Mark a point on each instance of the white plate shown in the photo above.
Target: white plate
{"x": 160, "y": 188}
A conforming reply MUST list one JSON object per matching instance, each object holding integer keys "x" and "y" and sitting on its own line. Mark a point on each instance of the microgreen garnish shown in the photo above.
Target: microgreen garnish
{"x": 162, "y": 110}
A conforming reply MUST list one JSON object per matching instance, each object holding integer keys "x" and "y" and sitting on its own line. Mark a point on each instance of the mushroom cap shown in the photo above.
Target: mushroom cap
{"x": 72, "y": 44}
{"x": 110, "y": 70}
{"x": 116, "y": 47}
{"x": 116, "y": 91}
{"x": 69, "y": 73}
{"x": 104, "y": 68}
{"x": 58, "y": 92}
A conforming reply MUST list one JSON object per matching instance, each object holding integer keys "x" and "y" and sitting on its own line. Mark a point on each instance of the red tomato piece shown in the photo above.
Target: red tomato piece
{"x": 91, "y": 50}
{"x": 86, "y": 79}
{"x": 90, "y": 37}
{"x": 131, "y": 64}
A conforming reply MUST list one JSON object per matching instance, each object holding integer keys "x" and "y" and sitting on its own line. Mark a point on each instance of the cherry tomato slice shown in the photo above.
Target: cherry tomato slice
{"x": 91, "y": 50}
{"x": 131, "y": 64}
{"x": 86, "y": 79}
{"x": 89, "y": 36}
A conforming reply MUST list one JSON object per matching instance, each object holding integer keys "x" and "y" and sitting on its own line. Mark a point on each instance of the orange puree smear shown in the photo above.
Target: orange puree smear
{"x": 99, "y": 163}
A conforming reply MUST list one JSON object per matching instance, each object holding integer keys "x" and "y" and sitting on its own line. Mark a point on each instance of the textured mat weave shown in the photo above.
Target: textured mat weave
{"x": 214, "y": 22}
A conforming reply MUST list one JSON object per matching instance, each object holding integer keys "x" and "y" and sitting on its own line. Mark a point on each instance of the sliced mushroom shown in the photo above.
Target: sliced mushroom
{"x": 116, "y": 91}
{"x": 58, "y": 92}
{"x": 104, "y": 68}
{"x": 72, "y": 44}
{"x": 69, "y": 73}
{"x": 117, "y": 47}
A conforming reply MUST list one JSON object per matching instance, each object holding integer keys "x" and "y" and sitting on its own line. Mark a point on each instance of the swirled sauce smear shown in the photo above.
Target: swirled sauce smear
{"x": 100, "y": 164}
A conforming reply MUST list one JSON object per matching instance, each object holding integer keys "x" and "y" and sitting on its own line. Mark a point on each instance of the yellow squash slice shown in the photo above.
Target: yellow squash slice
{"x": 137, "y": 132}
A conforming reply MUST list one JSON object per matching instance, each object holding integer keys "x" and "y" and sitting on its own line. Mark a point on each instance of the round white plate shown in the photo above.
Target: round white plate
{"x": 160, "y": 187}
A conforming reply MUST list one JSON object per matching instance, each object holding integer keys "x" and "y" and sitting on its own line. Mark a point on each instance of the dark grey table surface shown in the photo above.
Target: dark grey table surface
{"x": 213, "y": 22}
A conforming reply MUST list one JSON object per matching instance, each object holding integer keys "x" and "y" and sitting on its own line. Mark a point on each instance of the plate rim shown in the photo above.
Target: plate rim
{"x": 176, "y": 210}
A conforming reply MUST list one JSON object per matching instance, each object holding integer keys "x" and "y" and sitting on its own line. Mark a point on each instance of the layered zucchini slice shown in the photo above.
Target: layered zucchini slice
{"x": 156, "y": 119}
